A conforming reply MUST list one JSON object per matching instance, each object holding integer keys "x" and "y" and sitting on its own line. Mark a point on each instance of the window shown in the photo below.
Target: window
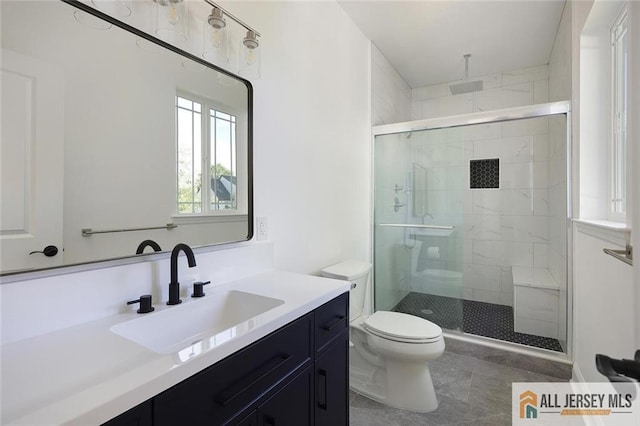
{"x": 618, "y": 163}
{"x": 206, "y": 157}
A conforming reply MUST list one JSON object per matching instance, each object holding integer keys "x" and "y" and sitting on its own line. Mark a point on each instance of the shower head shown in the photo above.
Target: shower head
{"x": 466, "y": 86}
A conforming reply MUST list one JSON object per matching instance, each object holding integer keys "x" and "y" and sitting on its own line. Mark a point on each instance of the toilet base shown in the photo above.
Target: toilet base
{"x": 407, "y": 386}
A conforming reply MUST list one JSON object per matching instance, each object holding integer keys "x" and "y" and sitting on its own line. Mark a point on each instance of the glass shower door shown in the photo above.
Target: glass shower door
{"x": 471, "y": 227}
{"x": 418, "y": 214}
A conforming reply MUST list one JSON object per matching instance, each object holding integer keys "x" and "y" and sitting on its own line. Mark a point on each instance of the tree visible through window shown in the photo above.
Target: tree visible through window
{"x": 206, "y": 157}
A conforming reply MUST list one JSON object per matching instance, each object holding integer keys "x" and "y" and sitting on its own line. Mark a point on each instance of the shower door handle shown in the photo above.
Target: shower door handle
{"x": 417, "y": 226}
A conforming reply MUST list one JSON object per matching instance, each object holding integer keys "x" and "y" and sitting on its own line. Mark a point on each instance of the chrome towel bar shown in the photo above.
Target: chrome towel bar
{"x": 86, "y": 232}
{"x": 411, "y": 225}
{"x": 625, "y": 255}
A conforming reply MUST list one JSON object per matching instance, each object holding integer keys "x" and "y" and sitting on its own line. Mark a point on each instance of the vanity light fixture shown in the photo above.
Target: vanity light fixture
{"x": 216, "y": 46}
{"x": 172, "y": 20}
{"x": 250, "y": 57}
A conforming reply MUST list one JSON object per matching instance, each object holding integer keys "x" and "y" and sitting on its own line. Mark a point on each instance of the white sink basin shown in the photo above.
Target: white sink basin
{"x": 198, "y": 325}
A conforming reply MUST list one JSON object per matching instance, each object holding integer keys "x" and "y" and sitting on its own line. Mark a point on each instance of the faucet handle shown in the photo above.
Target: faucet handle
{"x": 197, "y": 288}
{"x": 145, "y": 304}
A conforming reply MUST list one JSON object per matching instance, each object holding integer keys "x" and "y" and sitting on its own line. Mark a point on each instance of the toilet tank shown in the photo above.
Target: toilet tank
{"x": 356, "y": 272}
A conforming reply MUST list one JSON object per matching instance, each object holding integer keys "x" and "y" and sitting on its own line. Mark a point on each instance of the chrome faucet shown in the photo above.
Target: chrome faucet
{"x": 174, "y": 285}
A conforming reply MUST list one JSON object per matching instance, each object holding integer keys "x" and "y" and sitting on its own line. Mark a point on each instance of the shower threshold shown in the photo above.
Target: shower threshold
{"x": 472, "y": 317}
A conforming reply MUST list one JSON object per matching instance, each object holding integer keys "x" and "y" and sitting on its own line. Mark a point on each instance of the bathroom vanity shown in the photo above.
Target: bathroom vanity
{"x": 295, "y": 376}
{"x": 286, "y": 365}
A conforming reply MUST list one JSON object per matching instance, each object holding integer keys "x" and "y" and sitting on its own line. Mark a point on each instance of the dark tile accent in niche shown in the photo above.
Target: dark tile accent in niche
{"x": 484, "y": 174}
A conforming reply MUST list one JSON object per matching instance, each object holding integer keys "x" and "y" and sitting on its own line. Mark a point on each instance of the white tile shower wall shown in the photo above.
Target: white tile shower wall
{"x": 502, "y": 90}
{"x": 496, "y": 229}
{"x": 520, "y": 223}
{"x": 390, "y": 94}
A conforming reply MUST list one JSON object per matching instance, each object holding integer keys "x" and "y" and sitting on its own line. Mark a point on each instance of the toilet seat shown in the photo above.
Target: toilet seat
{"x": 401, "y": 327}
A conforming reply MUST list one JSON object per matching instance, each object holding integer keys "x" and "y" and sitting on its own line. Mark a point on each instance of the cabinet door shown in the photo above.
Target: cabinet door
{"x": 291, "y": 405}
{"x": 332, "y": 384}
{"x": 137, "y": 416}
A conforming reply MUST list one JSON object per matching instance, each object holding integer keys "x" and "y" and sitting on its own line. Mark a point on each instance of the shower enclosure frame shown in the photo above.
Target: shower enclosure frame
{"x": 486, "y": 117}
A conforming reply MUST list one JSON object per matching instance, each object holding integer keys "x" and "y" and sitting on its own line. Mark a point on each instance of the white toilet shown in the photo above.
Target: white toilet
{"x": 388, "y": 350}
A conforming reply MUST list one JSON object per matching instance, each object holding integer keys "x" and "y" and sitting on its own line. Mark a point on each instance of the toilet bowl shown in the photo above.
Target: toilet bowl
{"x": 389, "y": 351}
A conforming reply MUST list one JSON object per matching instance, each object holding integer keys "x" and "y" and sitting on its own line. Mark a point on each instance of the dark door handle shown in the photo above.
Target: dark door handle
{"x": 335, "y": 323}
{"x": 48, "y": 251}
{"x": 322, "y": 382}
{"x": 245, "y": 384}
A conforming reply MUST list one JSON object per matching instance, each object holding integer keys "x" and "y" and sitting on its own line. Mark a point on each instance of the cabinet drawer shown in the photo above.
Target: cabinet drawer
{"x": 234, "y": 384}
{"x": 332, "y": 318}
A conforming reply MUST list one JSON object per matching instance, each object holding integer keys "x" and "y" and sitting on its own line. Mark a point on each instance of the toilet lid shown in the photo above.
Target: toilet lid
{"x": 402, "y": 326}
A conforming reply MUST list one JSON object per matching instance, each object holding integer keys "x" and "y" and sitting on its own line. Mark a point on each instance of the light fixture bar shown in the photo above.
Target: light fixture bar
{"x": 237, "y": 20}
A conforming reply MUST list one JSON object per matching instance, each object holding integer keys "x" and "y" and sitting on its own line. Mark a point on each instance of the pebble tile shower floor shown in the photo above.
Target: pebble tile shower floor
{"x": 479, "y": 318}
{"x": 473, "y": 386}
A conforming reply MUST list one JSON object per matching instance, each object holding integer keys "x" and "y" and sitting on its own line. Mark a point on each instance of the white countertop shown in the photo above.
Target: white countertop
{"x": 86, "y": 374}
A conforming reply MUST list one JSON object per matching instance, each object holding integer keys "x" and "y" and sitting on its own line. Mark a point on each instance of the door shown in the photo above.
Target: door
{"x": 418, "y": 237}
{"x": 31, "y": 155}
{"x": 331, "y": 384}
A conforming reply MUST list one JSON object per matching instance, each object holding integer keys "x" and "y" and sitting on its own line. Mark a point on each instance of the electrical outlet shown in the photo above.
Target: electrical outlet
{"x": 261, "y": 228}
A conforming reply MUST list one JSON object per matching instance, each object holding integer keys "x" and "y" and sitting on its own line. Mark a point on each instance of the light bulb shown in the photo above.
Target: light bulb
{"x": 174, "y": 14}
{"x": 217, "y": 38}
{"x": 250, "y": 56}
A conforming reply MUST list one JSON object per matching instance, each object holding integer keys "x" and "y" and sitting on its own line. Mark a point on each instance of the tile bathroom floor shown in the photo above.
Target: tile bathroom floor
{"x": 473, "y": 385}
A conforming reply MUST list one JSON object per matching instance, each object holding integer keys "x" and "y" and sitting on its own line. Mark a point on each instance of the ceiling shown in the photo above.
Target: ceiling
{"x": 426, "y": 40}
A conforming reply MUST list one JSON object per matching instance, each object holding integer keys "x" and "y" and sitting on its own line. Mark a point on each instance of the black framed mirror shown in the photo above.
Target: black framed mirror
{"x": 111, "y": 137}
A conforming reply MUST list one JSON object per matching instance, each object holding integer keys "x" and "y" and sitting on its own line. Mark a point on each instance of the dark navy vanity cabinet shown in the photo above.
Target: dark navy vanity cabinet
{"x": 297, "y": 375}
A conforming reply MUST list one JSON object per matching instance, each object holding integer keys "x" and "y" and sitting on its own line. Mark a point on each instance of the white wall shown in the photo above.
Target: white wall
{"x": 560, "y": 60}
{"x": 606, "y": 291}
{"x": 312, "y": 143}
{"x": 603, "y": 304}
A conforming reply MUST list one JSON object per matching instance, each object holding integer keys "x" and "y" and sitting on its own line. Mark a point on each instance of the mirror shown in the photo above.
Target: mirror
{"x": 111, "y": 137}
